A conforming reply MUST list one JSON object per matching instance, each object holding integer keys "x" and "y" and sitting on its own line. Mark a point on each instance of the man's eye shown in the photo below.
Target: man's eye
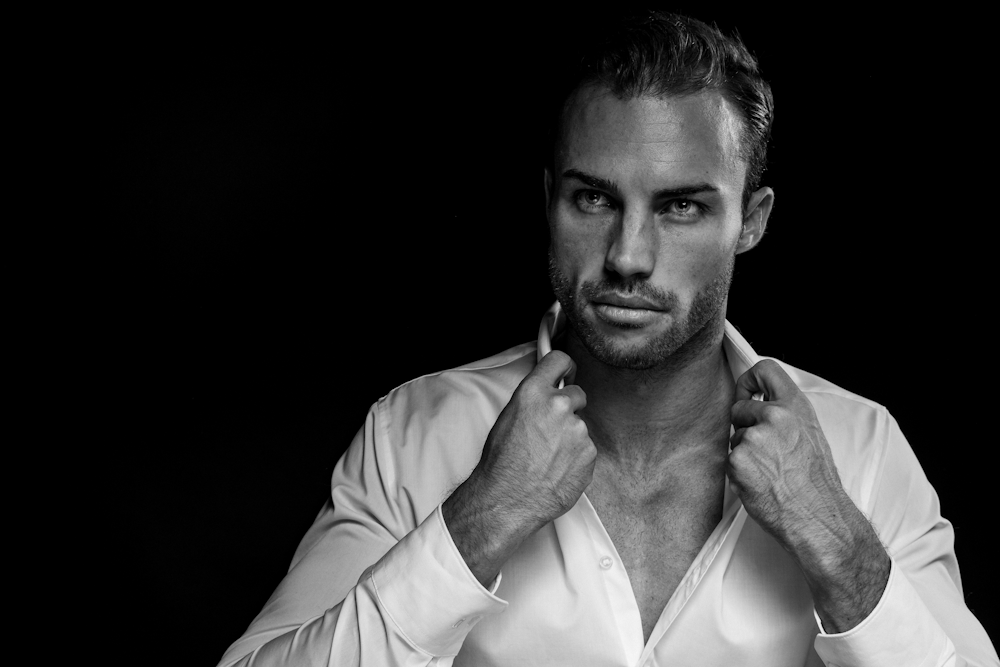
{"x": 683, "y": 208}
{"x": 590, "y": 200}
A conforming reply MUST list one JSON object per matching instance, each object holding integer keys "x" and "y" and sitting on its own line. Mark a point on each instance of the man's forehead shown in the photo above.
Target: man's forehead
{"x": 674, "y": 135}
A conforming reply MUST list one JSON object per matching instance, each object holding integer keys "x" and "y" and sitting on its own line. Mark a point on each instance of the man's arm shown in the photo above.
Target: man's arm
{"x": 415, "y": 606}
{"x": 537, "y": 462}
{"x": 873, "y": 607}
{"x": 783, "y": 470}
{"x": 368, "y": 587}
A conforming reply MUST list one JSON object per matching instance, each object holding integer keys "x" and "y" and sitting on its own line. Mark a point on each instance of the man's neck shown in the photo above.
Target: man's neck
{"x": 678, "y": 411}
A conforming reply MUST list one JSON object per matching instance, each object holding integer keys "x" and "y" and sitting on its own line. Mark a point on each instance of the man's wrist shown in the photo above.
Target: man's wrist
{"x": 483, "y": 532}
{"x": 846, "y": 567}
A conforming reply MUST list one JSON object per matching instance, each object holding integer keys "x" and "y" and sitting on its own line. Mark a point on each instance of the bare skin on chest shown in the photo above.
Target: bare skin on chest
{"x": 658, "y": 526}
{"x": 660, "y": 472}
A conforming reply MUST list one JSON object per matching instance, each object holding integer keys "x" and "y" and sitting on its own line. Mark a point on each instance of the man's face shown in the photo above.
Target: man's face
{"x": 645, "y": 218}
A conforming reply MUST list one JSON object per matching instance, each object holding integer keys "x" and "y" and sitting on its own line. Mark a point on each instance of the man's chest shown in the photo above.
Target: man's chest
{"x": 741, "y": 601}
{"x": 657, "y": 540}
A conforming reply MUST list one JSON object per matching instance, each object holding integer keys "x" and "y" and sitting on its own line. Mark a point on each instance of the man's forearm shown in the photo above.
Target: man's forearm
{"x": 783, "y": 468}
{"x": 485, "y": 533}
{"x": 536, "y": 462}
{"x": 844, "y": 564}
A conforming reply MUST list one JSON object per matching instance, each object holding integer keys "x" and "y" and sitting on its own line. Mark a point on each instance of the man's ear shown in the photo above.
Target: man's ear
{"x": 754, "y": 222}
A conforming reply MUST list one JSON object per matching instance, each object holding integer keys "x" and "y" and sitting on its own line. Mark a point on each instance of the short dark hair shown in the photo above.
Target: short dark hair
{"x": 659, "y": 54}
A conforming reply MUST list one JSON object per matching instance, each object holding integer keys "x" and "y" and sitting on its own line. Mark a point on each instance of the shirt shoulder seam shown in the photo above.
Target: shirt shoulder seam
{"x": 848, "y": 395}
{"x": 460, "y": 369}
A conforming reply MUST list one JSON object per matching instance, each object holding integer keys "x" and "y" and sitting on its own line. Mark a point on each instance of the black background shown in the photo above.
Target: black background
{"x": 314, "y": 209}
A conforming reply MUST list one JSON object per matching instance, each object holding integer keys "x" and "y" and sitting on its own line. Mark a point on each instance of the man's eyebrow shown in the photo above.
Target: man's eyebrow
{"x": 684, "y": 190}
{"x": 663, "y": 193}
{"x": 594, "y": 182}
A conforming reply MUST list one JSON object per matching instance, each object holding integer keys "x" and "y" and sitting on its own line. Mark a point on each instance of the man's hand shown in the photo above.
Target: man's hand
{"x": 536, "y": 462}
{"x": 782, "y": 468}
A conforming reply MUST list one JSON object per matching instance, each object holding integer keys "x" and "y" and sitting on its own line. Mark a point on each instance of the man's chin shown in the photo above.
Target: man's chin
{"x": 626, "y": 357}
{"x": 621, "y": 345}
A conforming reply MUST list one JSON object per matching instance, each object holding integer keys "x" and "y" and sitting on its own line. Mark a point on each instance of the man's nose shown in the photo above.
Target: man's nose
{"x": 632, "y": 247}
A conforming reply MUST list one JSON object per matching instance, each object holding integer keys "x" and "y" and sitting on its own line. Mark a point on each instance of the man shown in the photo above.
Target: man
{"x": 639, "y": 487}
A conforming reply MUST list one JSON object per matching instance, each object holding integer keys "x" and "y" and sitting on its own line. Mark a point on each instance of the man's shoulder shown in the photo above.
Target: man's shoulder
{"x": 851, "y": 417}
{"x": 424, "y": 437}
{"x": 823, "y": 391}
{"x": 489, "y": 378}
{"x": 453, "y": 408}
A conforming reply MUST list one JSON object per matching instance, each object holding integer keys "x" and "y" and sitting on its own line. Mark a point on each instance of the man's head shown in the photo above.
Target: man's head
{"x": 652, "y": 189}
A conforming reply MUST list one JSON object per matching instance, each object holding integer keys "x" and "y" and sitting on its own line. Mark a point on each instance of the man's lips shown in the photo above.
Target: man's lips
{"x": 626, "y": 310}
{"x": 626, "y": 302}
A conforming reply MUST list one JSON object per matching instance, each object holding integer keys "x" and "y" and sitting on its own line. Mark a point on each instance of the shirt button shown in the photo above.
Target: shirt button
{"x": 606, "y": 562}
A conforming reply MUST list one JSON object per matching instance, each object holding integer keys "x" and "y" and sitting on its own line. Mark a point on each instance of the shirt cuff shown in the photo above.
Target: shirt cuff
{"x": 428, "y": 591}
{"x": 899, "y": 631}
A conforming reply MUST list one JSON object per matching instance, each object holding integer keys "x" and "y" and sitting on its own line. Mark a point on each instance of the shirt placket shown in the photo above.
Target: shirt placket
{"x": 624, "y": 607}
{"x": 733, "y": 518}
{"x": 608, "y": 565}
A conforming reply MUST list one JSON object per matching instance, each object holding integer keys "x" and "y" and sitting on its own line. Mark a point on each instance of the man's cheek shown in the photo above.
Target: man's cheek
{"x": 580, "y": 261}
{"x": 707, "y": 266}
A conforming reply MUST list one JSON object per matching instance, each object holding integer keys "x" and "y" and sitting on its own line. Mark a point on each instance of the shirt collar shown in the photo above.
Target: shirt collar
{"x": 738, "y": 351}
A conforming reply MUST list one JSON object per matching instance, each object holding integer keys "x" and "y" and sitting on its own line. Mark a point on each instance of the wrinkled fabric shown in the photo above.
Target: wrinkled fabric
{"x": 377, "y": 579}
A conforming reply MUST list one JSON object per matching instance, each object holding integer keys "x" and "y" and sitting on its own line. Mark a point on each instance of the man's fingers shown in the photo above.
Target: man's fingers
{"x": 765, "y": 377}
{"x": 553, "y": 367}
{"x": 577, "y": 397}
{"x": 746, "y": 413}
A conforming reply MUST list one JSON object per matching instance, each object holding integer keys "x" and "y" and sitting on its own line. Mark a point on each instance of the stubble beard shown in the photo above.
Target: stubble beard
{"x": 686, "y": 337}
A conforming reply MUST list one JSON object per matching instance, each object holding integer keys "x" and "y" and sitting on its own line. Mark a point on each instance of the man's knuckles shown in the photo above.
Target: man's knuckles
{"x": 768, "y": 376}
{"x": 552, "y": 367}
{"x": 770, "y": 367}
{"x": 772, "y": 413}
{"x": 560, "y": 404}
{"x": 741, "y": 456}
{"x": 773, "y": 374}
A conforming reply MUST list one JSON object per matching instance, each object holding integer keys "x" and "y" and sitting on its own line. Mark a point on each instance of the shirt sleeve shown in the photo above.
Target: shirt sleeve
{"x": 921, "y": 619}
{"x": 367, "y": 585}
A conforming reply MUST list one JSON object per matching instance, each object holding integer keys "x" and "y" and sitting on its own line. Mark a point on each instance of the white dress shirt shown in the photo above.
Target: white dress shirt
{"x": 378, "y": 581}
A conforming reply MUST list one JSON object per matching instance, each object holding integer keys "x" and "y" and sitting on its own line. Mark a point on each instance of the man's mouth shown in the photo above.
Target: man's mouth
{"x": 626, "y": 302}
{"x": 626, "y": 310}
